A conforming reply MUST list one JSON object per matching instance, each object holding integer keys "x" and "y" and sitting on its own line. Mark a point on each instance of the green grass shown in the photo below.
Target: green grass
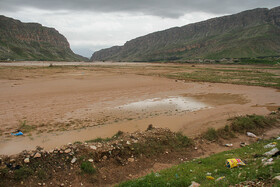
{"x": 241, "y": 124}
{"x": 118, "y": 134}
{"x": 26, "y": 128}
{"x": 234, "y": 76}
{"x": 252, "y": 123}
{"x": 23, "y": 173}
{"x": 155, "y": 145}
{"x": 211, "y": 134}
{"x": 197, "y": 169}
{"x": 87, "y": 167}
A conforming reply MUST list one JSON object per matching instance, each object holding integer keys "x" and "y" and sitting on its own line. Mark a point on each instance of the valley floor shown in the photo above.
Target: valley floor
{"x": 62, "y": 103}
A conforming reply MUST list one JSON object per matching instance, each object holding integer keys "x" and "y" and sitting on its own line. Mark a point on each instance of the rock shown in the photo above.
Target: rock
{"x": 37, "y": 155}
{"x": 277, "y": 178}
{"x": 26, "y": 160}
{"x": 93, "y": 147}
{"x": 67, "y": 151}
{"x": 130, "y": 159}
{"x": 90, "y": 160}
{"x": 73, "y": 160}
{"x": 194, "y": 184}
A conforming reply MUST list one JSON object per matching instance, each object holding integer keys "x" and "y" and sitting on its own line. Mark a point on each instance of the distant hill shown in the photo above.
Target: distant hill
{"x": 249, "y": 34}
{"x": 32, "y": 41}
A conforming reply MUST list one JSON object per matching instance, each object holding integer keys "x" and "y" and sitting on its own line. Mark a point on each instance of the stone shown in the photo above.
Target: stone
{"x": 26, "y": 160}
{"x": 90, "y": 160}
{"x": 130, "y": 159}
{"x": 73, "y": 160}
{"x": 93, "y": 147}
{"x": 194, "y": 184}
{"x": 67, "y": 151}
{"x": 37, "y": 155}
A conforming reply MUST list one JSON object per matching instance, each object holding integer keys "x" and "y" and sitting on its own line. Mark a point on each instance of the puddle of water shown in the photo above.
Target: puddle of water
{"x": 171, "y": 103}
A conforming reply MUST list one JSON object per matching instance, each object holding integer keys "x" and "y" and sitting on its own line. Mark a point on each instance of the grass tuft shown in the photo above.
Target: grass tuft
{"x": 23, "y": 173}
{"x": 87, "y": 167}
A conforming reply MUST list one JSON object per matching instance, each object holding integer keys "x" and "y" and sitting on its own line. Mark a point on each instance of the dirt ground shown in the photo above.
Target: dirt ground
{"x": 63, "y": 104}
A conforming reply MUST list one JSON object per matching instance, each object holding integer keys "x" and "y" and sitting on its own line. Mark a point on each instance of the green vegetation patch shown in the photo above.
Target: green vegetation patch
{"x": 249, "y": 76}
{"x": 26, "y": 128}
{"x": 197, "y": 169}
{"x": 241, "y": 124}
{"x": 114, "y": 137}
{"x": 87, "y": 167}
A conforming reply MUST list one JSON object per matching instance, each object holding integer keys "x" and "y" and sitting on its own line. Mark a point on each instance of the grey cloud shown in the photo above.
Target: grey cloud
{"x": 162, "y": 8}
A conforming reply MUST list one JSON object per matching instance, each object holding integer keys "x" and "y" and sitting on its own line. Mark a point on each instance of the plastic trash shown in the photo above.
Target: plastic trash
{"x": 17, "y": 134}
{"x": 229, "y": 145}
{"x": 270, "y": 145}
{"x": 234, "y": 162}
{"x": 210, "y": 178}
{"x": 251, "y": 135}
{"x": 242, "y": 144}
{"x": 220, "y": 178}
{"x": 271, "y": 152}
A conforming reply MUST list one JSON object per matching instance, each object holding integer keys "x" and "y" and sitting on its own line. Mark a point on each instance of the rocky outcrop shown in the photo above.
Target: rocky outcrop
{"x": 32, "y": 41}
{"x": 251, "y": 33}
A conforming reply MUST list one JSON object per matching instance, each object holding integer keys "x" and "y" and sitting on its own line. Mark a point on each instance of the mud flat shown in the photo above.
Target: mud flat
{"x": 77, "y": 103}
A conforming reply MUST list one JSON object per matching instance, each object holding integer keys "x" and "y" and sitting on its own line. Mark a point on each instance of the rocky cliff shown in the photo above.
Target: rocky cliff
{"x": 251, "y": 33}
{"x": 32, "y": 41}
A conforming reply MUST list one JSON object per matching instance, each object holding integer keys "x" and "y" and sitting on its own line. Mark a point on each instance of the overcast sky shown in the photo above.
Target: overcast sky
{"x": 91, "y": 25}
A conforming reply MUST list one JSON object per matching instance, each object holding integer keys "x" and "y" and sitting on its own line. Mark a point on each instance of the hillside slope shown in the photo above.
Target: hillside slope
{"x": 252, "y": 33}
{"x": 32, "y": 41}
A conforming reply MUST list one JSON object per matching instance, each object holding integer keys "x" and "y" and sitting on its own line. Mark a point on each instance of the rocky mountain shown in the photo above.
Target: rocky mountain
{"x": 252, "y": 33}
{"x": 32, "y": 41}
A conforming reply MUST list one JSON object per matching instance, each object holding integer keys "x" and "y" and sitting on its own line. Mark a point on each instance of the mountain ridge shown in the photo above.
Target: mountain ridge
{"x": 32, "y": 41}
{"x": 233, "y": 36}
